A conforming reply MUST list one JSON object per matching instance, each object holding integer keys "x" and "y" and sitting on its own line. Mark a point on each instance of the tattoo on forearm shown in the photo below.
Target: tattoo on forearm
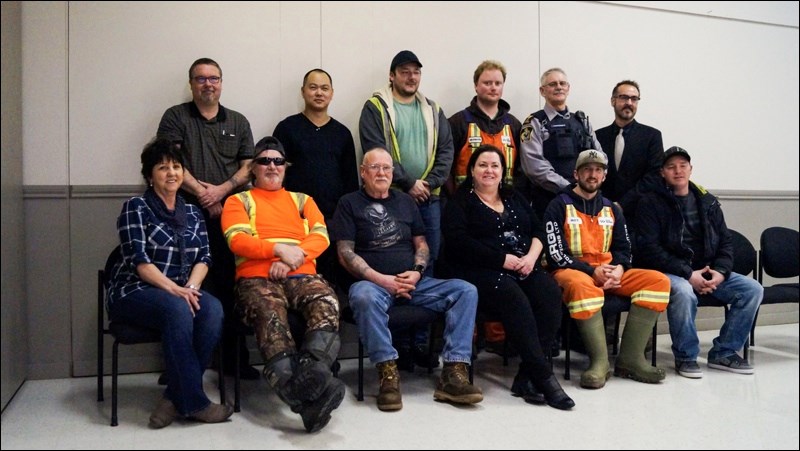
{"x": 421, "y": 257}
{"x": 351, "y": 261}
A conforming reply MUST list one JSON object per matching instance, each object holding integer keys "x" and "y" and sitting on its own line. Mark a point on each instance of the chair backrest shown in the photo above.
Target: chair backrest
{"x": 744, "y": 254}
{"x": 780, "y": 254}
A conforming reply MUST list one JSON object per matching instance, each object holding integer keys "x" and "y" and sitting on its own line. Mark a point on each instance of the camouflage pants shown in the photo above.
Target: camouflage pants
{"x": 263, "y": 305}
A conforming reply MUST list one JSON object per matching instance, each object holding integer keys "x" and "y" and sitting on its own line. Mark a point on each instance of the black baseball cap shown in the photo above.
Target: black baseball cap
{"x": 405, "y": 56}
{"x": 269, "y": 142}
{"x": 675, "y": 151}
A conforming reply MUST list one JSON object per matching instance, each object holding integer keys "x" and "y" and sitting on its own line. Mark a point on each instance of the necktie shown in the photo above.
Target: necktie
{"x": 619, "y": 147}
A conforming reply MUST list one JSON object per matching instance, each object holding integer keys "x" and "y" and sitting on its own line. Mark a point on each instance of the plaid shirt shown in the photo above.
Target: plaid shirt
{"x": 147, "y": 239}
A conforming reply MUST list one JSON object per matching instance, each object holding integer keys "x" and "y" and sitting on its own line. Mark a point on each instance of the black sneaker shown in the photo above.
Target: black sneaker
{"x": 689, "y": 369}
{"x": 732, "y": 363}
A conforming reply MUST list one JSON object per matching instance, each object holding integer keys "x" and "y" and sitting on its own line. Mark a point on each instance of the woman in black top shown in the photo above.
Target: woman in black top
{"x": 494, "y": 240}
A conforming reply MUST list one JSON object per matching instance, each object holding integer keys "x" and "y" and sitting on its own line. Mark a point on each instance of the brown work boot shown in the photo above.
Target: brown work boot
{"x": 389, "y": 397}
{"x": 454, "y": 385}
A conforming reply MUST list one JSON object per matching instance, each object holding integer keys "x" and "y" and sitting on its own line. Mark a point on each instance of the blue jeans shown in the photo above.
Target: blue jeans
{"x": 456, "y": 298}
{"x": 431, "y": 212}
{"x": 187, "y": 341}
{"x": 743, "y": 296}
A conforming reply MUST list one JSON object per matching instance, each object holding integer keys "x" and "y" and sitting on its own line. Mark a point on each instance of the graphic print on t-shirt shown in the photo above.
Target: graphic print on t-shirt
{"x": 385, "y": 231}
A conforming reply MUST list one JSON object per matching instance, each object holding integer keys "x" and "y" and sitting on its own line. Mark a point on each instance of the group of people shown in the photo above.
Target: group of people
{"x": 286, "y": 222}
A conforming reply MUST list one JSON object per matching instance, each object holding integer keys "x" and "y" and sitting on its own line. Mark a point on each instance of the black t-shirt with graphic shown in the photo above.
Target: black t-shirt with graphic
{"x": 382, "y": 229}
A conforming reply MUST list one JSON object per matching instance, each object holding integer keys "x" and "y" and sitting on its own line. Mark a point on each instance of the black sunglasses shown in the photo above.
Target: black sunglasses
{"x": 265, "y": 161}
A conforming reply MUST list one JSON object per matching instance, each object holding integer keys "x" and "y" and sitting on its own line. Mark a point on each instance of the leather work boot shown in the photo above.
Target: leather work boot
{"x": 389, "y": 398}
{"x": 454, "y": 385}
{"x": 594, "y": 339}
{"x": 631, "y": 362}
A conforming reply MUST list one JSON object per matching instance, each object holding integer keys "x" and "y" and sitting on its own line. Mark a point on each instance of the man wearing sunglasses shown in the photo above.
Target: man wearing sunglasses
{"x": 219, "y": 145}
{"x": 276, "y": 236}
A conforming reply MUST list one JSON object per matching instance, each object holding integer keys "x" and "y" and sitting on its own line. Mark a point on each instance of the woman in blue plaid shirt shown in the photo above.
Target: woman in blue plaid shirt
{"x": 157, "y": 284}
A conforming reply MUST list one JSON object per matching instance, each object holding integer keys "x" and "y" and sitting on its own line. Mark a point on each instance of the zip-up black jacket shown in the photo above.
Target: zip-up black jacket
{"x": 659, "y": 236}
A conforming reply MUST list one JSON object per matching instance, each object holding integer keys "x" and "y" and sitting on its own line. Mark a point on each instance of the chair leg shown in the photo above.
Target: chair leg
{"x": 430, "y": 347}
{"x": 237, "y": 380}
{"x": 100, "y": 366}
{"x": 471, "y": 370}
{"x": 360, "y": 395}
{"x": 567, "y": 325}
{"x": 114, "y": 373}
{"x": 221, "y": 379}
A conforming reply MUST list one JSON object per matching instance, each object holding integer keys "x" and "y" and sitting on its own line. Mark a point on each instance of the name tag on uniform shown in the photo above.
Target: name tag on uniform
{"x": 606, "y": 221}
{"x": 506, "y": 140}
{"x": 574, "y": 221}
{"x": 475, "y": 140}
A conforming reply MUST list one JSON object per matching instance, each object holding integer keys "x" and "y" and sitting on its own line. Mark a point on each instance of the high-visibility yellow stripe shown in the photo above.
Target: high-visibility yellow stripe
{"x": 608, "y": 230}
{"x": 573, "y": 231}
{"x": 655, "y": 297}
{"x": 583, "y": 305}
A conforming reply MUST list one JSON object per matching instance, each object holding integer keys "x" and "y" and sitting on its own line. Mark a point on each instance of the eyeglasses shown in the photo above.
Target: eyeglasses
{"x": 624, "y": 98}
{"x": 265, "y": 161}
{"x": 555, "y": 84}
{"x": 201, "y": 80}
{"x": 379, "y": 167}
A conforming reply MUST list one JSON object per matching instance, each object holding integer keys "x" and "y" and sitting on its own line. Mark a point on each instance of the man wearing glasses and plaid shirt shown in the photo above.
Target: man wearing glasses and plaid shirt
{"x": 219, "y": 146}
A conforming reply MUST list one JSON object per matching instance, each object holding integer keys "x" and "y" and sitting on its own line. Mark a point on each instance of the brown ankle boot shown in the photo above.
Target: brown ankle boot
{"x": 389, "y": 397}
{"x": 454, "y": 385}
{"x": 214, "y": 413}
{"x": 164, "y": 414}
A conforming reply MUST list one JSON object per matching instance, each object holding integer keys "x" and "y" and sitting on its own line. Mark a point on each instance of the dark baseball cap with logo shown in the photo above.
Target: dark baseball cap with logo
{"x": 675, "y": 151}
{"x": 404, "y": 57}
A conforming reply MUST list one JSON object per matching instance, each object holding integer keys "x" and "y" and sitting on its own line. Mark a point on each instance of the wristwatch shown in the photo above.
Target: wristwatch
{"x": 419, "y": 268}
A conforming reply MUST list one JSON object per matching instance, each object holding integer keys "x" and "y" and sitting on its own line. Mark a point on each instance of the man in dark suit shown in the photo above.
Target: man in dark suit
{"x": 634, "y": 151}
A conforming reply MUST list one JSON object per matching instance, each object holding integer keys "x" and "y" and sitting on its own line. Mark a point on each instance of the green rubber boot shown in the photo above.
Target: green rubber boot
{"x": 593, "y": 334}
{"x": 631, "y": 362}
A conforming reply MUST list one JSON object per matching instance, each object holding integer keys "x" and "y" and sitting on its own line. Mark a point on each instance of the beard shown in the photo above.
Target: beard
{"x": 589, "y": 187}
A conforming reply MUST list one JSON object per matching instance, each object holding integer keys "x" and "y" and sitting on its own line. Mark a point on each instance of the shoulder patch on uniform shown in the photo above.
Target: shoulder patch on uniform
{"x": 527, "y": 128}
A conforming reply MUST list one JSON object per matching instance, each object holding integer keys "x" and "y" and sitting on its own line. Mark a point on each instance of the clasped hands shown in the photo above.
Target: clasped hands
{"x": 521, "y": 265}
{"x": 706, "y": 280}
{"x": 400, "y": 285}
{"x": 608, "y": 276}
{"x": 291, "y": 257}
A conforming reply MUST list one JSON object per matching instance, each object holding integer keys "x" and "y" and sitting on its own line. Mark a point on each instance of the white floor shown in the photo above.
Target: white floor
{"x": 720, "y": 411}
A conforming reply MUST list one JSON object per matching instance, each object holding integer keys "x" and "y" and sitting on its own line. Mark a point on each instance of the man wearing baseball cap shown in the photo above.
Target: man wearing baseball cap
{"x": 682, "y": 232}
{"x": 590, "y": 255}
{"x": 415, "y": 131}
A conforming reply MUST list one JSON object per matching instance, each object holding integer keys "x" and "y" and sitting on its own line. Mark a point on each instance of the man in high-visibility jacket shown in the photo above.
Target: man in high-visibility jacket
{"x": 590, "y": 255}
